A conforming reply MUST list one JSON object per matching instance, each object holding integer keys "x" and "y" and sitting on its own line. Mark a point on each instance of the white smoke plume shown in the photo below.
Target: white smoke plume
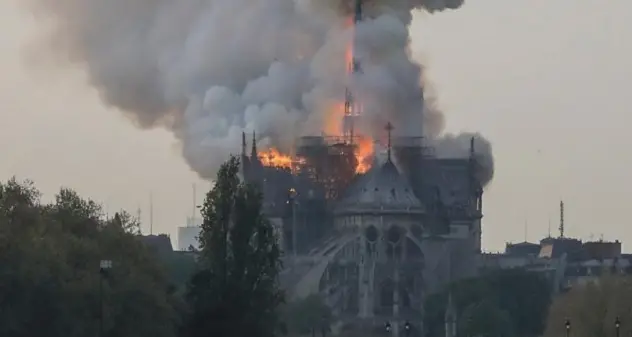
{"x": 209, "y": 69}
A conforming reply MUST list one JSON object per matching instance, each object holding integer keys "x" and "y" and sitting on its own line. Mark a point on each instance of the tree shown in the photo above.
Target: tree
{"x": 593, "y": 307}
{"x": 485, "y": 318}
{"x": 49, "y": 270}
{"x": 235, "y": 290}
{"x": 306, "y": 316}
{"x": 517, "y": 295}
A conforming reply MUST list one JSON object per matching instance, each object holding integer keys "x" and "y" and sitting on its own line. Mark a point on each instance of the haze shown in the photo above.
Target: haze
{"x": 544, "y": 81}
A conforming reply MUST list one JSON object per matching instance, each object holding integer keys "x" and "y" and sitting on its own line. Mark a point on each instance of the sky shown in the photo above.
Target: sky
{"x": 545, "y": 81}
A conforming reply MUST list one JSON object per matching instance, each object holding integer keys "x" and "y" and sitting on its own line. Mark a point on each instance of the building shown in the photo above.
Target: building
{"x": 188, "y": 235}
{"x": 564, "y": 261}
{"x": 372, "y": 244}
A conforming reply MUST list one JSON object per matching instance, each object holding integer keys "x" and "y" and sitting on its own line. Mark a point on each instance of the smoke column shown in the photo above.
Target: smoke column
{"x": 208, "y": 69}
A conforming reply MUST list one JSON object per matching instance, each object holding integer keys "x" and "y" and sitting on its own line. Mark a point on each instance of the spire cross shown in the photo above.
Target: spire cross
{"x": 389, "y": 129}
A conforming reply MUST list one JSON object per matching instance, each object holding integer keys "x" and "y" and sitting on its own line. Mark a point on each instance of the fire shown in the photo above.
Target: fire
{"x": 363, "y": 154}
{"x": 333, "y": 125}
{"x": 273, "y": 158}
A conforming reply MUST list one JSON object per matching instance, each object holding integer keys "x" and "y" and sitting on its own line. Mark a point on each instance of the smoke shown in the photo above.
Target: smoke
{"x": 209, "y": 69}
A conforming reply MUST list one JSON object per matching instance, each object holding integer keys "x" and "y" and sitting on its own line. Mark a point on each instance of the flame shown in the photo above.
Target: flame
{"x": 334, "y": 114}
{"x": 363, "y": 154}
{"x": 274, "y": 158}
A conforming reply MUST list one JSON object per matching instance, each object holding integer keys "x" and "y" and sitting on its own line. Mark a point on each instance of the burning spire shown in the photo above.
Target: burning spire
{"x": 352, "y": 108}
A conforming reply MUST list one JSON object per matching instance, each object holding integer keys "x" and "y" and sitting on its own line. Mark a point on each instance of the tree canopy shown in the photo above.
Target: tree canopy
{"x": 49, "y": 270}
{"x": 306, "y": 316}
{"x": 235, "y": 290}
{"x": 498, "y": 303}
{"x": 592, "y": 308}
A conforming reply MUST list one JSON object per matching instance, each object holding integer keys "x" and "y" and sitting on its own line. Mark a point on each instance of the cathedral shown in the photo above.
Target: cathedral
{"x": 386, "y": 239}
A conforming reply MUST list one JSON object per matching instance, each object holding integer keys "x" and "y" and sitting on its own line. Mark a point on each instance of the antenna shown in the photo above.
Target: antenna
{"x": 561, "y": 219}
{"x": 151, "y": 214}
{"x": 194, "y": 204}
{"x": 549, "y": 226}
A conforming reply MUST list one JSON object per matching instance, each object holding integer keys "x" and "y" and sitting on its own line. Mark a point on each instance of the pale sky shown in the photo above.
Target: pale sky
{"x": 545, "y": 81}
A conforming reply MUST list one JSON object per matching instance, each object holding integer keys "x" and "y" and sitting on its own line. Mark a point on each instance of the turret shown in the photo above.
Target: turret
{"x": 253, "y": 154}
{"x": 245, "y": 161}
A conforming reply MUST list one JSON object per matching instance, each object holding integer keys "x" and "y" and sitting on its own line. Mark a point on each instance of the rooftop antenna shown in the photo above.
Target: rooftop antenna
{"x": 526, "y": 229}
{"x": 194, "y": 205}
{"x": 151, "y": 214}
{"x": 561, "y": 219}
{"x": 549, "y": 235}
{"x": 389, "y": 129}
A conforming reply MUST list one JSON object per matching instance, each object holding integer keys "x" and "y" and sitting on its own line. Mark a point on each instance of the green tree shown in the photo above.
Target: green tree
{"x": 485, "y": 318}
{"x": 235, "y": 290}
{"x": 306, "y": 316}
{"x": 49, "y": 270}
{"x": 593, "y": 307}
{"x": 521, "y": 295}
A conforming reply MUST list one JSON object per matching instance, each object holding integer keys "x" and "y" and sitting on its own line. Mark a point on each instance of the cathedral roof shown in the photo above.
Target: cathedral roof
{"x": 383, "y": 188}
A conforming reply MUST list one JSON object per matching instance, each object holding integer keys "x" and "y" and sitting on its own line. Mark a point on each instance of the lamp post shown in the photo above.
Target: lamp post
{"x": 387, "y": 327}
{"x": 293, "y": 195}
{"x": 104, "y": 266}
{"x": 567, "y": 325}
{"x": 617, "y": 325}
{"x": 407, "y": 328}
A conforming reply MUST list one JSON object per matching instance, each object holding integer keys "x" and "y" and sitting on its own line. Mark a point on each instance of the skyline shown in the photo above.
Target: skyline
{"x": 531, "y": 76}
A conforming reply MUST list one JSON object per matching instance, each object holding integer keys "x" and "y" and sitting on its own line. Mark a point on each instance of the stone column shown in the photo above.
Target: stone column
{"x": 396, "y": 300}
{"x": 362, "y": 283}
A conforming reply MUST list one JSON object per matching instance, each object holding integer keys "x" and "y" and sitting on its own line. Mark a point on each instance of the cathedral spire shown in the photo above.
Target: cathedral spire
{"x": 389, "y": 129}
{"x": 254, "y": 155}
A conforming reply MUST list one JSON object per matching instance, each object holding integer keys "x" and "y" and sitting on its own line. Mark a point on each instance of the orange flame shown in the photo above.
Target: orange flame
{"x": 334, "y": 115}
{"x": 274, "y": 158}
{"x": 363, "y": 154}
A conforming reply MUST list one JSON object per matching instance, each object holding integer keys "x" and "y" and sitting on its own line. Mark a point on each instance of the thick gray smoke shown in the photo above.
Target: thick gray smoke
{"x": 209, "y": 69}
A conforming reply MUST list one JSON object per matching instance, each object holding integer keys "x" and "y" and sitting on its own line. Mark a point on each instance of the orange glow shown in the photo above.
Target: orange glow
{"x": 274, "y": 158}
{"x": 335, "y": 112}
{"x": 364, "y": 152}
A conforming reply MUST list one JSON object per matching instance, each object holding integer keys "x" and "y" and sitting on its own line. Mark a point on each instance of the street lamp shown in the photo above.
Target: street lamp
{"x": 567, "y": 325}
{"x": 104, "y": 266}
{"x": 617, "y": 325}
{"x": 407, "y": 328}
{"x": 293, "y": 195}
{"x": 387, "y": 327}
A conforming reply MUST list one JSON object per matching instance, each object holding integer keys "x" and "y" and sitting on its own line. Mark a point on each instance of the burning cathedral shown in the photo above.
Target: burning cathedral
{"x": 372, "y": 233}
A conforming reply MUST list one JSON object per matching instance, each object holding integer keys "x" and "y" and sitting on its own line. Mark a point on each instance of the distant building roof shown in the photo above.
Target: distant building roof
{"x": 522, "y": 249}
{"x": 161, "y": 243}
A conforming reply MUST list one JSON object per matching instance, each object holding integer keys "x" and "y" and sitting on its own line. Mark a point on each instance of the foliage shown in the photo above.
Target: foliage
{"x": 518, "y": 299}
{"x": 303, "y": 316}
{"x": 49, "y": 270}
{"x": 235, "y": 290}
{"x": 593, "y": 307}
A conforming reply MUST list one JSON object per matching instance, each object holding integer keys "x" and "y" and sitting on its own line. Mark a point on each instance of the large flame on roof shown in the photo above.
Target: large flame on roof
{"x": 332, "y": 126}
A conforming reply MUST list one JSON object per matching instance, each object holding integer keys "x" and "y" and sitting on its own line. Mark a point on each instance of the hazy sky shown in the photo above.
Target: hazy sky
{"x": 545, "y": 81}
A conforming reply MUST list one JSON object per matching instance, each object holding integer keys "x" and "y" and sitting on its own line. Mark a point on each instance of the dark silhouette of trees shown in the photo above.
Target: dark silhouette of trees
{"x": 49, "y": 270}
{"x": 498, "y": 303}
{"x": 235, "y": 291}
{"x": 593, "y": 307}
